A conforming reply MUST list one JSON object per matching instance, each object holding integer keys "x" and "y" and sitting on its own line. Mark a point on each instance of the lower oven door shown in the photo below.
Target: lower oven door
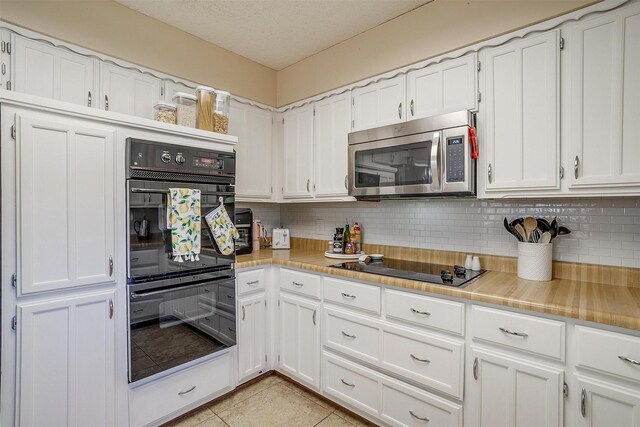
{"x": 169, "y": 327}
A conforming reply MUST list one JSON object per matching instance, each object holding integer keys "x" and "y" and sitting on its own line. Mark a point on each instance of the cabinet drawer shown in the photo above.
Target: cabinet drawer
{"x": 406, "y": 406}
{"x": 144, "y": 257}
{"x": 350, "y": 383}
{"x": 207, "y": 294}
{"x": 351, "y": 335}
{"x": 249, "y": 281}
{"x": 208, "y": 319}
{"x": 145, "y": 310}
{"x": 228, "y": 328}
{"x": 355, "y": 295}
{"x": 227, "y": 297}
{"x": 425, "y": 311}
{"x": 300, "y": 283}
{"x": 165, "y": 396}
{"x": 608, "y": 352}
{"x": 531, "y": 334}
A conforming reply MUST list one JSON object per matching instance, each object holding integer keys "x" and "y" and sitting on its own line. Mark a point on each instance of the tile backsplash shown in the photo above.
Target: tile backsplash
{"x": 604, "y": 231}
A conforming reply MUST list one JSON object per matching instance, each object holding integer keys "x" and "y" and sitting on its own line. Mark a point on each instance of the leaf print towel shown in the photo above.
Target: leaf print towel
{"x": 222, "y": 229}
{"x": 183, "y": 219}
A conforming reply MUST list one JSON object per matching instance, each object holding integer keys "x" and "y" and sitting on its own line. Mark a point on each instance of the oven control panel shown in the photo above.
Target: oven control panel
{"x": 455, "y": 159}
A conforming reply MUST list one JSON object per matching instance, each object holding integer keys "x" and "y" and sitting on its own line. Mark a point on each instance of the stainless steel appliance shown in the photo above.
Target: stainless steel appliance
{"x": 456, "y": 276}
{"x": 178, "y": 311}
{"x": 433, "y": 156}
{"x": 244, "y": 225}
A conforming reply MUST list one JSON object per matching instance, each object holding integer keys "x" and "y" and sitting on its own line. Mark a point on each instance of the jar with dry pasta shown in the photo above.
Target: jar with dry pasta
{"x": 221, "y": 112}
{"x": 205, "y": 97}
{"x": 164, "y": 112}
{"x": 185, "y": 109}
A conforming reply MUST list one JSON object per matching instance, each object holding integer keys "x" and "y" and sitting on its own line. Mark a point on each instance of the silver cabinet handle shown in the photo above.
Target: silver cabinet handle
{"x": 348, "y": 335}
{"x": 490, "y": 174}
{"x": 140, "y": 310}
{"x": 576, "y": 164}
{"x": 243, "y": 313}
{"x": 423, "y": 419}
{"x": 298, "y": 284}
{"x": 89, "y": 99}
{"x": 346, "y": 383}
{"x": 308, "y": 182}
{"x": 346, "y": 182}
{"x": 255, "y": 282}
{"x": 314, "y": 317}
{"x": 110, "y": 266}
{"x": 420, "y": 313}
{"x": 583, "y": 403}
{"x": 417, "y": 359}
{"x": 106, "y": 102}
{"x": 110, "y": 309}
{"x": 348, "y": 296}
{"x": 411, "y": 108}
{"x": 517, "y": 334}
{"x": 182, "y": 393}
{"x": 475, "y": 369}
{"x": 4, "y": 69}
{"x": 400, "y": 110}
{"x": 632, "y": 361}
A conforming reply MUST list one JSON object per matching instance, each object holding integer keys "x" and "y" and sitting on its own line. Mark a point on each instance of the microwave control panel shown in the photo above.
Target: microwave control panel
{"x": 454, "y": 159}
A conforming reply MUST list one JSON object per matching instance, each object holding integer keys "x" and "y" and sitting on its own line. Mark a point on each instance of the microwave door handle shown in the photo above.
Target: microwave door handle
{"x": 435, "y": 161}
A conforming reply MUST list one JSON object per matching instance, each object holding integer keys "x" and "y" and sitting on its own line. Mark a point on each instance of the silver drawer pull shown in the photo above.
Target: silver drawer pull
{"x": 348, "y": 296}
{"x": 420, "y": 313}
{"x": 255, "y": 282}
{"x": 182, "y": 393}
{"x": 298, "y": 284}
{"x": 348, "y": 335}
{"x": 346, "y": 383}
{"x": 417, "y": 359}
{"x": 583, "y": 403}
{"x": 140, "y": 310}
{"x": 517, "y": 334}
{"x": 632, "y": 361}
{"x": 424, "y": 419}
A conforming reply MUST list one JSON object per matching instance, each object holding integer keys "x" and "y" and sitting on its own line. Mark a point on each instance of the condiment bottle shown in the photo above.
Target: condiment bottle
{"x": 345, "y": 238}
{"x": 357, "y": 230}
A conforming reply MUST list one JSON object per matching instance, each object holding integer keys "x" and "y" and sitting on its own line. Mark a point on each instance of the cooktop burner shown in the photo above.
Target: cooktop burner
{"x": 455, "y": 276}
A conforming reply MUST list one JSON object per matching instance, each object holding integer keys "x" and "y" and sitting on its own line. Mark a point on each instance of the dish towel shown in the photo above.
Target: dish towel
{"x": 183, "y": 219}
{"x": 222, "y": 228}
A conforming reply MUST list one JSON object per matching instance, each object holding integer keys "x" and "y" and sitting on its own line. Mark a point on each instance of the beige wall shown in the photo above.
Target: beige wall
{"x": 428, "y": 31}
{"x": 112, "y": 29}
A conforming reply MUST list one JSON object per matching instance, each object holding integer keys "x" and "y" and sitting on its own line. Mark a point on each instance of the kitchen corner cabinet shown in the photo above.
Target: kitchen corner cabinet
{"x": 298, "y": 152}
{"x": 605, "y": 88}
{"x": 66, "y": 365}
{"x": 443, "y": 88}
{"x": 128, "y": 91}
{"x": 520, "y": 116}
{"x": 51, "y": 72}
{"x": 379, "y": 104}
{"x": 331, "y": 127}
{"x": 65, "y": 208}
{"x": 252, "y": 332}
{"x": 253, "y": 127}
{"x": 602, "y": 404}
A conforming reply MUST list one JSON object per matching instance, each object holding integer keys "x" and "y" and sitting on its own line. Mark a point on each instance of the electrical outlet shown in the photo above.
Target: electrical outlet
{"x": 319, "y": 226}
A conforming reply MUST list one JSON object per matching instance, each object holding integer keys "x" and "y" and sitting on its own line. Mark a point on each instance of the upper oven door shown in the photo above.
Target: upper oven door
{"x": 149, "y": 240}
{"x": 405, "y": 165}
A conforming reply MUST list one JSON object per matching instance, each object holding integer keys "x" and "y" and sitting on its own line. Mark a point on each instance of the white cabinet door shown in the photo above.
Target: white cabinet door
{"x": 506, "y": 391}
{"x": 170, "y": 88}
{"x": 253, "y": 127}
{"x": 298, "y": 152}
{"x": 300, "y": 339}
{"x": 379, "y": 104}
{"x": 66, "y": 207}
{"x": 331, "y": 130}
{"x": 252, "y": 332}
{"x": 66, "y": 361}
{"x": 128, "y": 91}
{"x": 604, "y": 404}
{"x": 54, "y": 73}
{"x": 443, "y": 88}
{"x": 521, "y": 125}
{"x": 605, "y": 84}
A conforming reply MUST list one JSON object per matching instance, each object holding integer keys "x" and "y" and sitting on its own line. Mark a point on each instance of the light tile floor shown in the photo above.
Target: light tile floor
{"x": 270, "y": 401}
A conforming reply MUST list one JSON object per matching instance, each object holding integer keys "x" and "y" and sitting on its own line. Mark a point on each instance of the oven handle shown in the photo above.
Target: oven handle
{"x": 161, "y": 191}
{"x": 136, "y": 295}
{"x": 435, "y": 160}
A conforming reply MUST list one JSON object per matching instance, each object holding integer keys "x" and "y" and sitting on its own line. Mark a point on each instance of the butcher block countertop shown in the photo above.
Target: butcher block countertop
{"x": 615, "y": 304}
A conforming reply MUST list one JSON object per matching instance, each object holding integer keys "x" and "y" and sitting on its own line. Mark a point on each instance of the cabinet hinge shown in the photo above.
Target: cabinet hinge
{"x": 14, "y": 323}
{"x": 278, "y": 303}
{"x": 161, "y": 91}
{"x": 13, "y": 131}
{"x": 265, "y": 303}
{"x": 278, "y": 358}
{"x": 479, "y": 66}
{"x": 314, "y": 112}
{"x": 353, "y": 101}
{"x": 565, "y": 390}
{"x": 14, "y": 280}
{"x": 283, "y": 120}
{"x": 479, "y": 97}
{"x": 271, "y": 120}
{"x": 272, "y": 189}
{"x": 561, "y": 172}
{"x": 561, "y": 43}
{"x": 265, "y": 358}
{"x": 8, "y": 84}
{"x": 353, "y": 124}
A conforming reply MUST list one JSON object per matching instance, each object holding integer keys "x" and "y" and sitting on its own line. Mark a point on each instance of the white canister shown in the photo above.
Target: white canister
{"x": 535, "y": 261}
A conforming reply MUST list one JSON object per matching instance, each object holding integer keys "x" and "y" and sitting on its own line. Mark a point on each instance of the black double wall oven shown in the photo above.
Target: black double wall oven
{"x": 178, "y": 311}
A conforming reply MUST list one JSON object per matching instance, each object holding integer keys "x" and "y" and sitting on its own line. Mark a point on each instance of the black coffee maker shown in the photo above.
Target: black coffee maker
{"x": 243, "y": 222}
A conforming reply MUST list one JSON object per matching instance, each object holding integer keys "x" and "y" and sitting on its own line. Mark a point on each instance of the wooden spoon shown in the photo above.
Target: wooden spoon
{"x": 520, "y": 230}
{"x": 530, "y": 224}
{"x": 546, "y": 237}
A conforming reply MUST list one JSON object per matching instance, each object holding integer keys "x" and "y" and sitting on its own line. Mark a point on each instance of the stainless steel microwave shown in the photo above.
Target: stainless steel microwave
{"x": 433, "y": 156}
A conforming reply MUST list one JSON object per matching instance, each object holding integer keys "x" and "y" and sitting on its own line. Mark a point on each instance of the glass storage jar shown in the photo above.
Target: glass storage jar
{"x": 205, "y": 97}
{"x": 221, "y": 112}
{"x": 185, "y": 109}
{"x": 164, "y": 112}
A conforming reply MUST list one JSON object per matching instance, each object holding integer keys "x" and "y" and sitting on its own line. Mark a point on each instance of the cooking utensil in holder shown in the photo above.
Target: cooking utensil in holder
{"x": 535, "y": 261}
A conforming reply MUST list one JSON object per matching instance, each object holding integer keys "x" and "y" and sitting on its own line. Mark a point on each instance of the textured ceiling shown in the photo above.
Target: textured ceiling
{"x": 275, "y": 33}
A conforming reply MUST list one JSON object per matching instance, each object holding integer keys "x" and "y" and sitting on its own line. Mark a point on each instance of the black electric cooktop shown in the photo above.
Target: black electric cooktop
{"x": 455, "y": 276}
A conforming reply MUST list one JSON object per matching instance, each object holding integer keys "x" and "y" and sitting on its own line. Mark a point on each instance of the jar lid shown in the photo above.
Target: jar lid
{"x": 205, "y": 89}
{"x": 183, "y": 95}
{"x": 222, "y": 92}
{"x": 165, "y": 105}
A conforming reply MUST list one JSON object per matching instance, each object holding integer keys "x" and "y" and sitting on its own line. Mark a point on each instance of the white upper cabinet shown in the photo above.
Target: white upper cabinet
{"x": 128, "y": 91}
{"x": 520, "y": 115}
{"x": 170, "y": 88}
{"x": 298, "y": 152}
{"x": 443, "y": 88}
{"x": 605, "y": 89}
{"x": 379, "y": 104}
{"x": 66, "y": 209}
{"x": 331, "y": 130}
{"x": 253, "y": 127}
{"x": 50, "y": 72}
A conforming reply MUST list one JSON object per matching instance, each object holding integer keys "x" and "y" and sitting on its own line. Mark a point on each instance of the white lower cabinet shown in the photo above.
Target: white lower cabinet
{"x": 252, "y": 331}
{"x": 66, "y": 361}
{"x": 604, "y": 404}
{"x": 508, "y": 391}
